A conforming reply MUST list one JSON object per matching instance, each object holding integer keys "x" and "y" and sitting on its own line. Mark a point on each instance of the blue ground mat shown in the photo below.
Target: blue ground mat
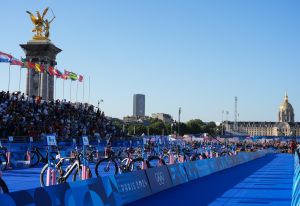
{"x": 265, "y": 181}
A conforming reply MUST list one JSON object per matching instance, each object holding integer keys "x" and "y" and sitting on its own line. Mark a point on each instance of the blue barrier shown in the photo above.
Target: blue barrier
{"x": 129, "y": 187}
{"x": 159, "y": 178}
{"x": 191, "y": 170}
{"x": 177, "y": 174}
{"x": 133, "y": 186}
{"x": 96, "y": 191}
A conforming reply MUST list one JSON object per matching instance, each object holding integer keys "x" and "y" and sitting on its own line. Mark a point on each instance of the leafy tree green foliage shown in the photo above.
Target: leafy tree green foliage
{"x": 158, "y": 127}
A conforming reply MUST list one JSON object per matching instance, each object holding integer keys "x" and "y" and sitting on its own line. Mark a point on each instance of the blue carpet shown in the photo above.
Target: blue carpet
{"x": 23, "y": 179}
{"x": 265, "y": 181}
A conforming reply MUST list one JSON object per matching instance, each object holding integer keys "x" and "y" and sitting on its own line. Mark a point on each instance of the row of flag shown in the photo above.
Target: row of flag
{"x": 7, "y": 58}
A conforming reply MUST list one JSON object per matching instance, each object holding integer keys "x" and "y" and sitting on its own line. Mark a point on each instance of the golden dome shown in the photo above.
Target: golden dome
{"x": 286, "y": 106}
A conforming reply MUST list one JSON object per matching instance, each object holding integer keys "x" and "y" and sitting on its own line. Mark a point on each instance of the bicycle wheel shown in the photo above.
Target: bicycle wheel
{"x": 92, "y": 157}
{"x": 106, "y": 167}
{"x": 76, "y": 176}
{"x": 136, "y": 164}
{"x": 34, "y": 158}
{"x": 166, "y": 158}
{"x": 3, "y": 187}
{"x": 43, "y": 174}
{"x": 95, "y": 157}
{"x": 224, "y": 154}
{"x": 155, "y": 161}
{"x": 3, "y": 162}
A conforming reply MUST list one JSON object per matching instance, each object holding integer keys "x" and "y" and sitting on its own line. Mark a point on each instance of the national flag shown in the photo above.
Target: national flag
{"x": 5, "y": 57}
{"x": 54, "y": 72}
{"x": 15, "y": 61}
{"x": 29, "y": 65}
{"x": 24, "y": 62}
{"x": 64, "y": 76}
{"x": 73, "y": 76}
{"x": 51, "y": 71}
{"x": 80, "y": 78}
{"x": 58, "y": 73}
{"x": 67, "y": 73}
{"x": 37, "y": 67}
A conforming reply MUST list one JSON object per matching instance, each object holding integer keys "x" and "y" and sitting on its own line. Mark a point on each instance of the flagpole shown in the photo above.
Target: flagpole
{"x": 89, "y": 90}
{"x": 20, "y": 79}
{"x": 55, "y": 88}
{"x": 29, "y": 77}
{"x": 63, "y": 89}
{"x": 70, "y": 89}
{"x": 47, "y": 96}
{"x": 40, "y": 84}
{"x": 8, "y": 77}
{"x": 76, "y": 90}
{"x": 83, "y": 92}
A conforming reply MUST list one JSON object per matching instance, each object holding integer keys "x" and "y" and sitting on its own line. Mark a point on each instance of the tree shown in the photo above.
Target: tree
{"x": 210, "y": 128}
{"x": 195, "y": 126}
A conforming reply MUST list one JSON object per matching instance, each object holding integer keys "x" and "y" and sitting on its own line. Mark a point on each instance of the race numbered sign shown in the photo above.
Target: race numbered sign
{"x": 85, "y": 140}
{"x": 10, "y": 138}
{"x": 30, "y": 139}
{"x": 51, "y": 140}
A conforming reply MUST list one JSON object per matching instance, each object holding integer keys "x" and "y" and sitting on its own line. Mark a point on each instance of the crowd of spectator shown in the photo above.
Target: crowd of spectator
{"x": 280, "y": 146}
{"x": 21, "y": 115}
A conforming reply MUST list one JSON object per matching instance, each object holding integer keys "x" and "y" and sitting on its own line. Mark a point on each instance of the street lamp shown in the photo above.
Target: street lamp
{"x": 99, "y": 101}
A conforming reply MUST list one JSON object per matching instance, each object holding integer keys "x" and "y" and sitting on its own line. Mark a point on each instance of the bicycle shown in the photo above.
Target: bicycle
{"x": 91, "y": 154}
{"x": 115, "y": 163}
{"x": 36, "y": 156}
{"x": 3, "y": 187}
{"x": 3, "y": 158}
{"x": 62, "y": 174}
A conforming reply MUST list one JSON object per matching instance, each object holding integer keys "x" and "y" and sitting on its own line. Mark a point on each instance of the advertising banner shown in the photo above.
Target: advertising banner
{"x": 177, "y": 174}
{"x": 191, "y": 170}
{"x": 133, "y": 186}
{"x": 159, "y": 178}
{"x": 203, "y": 167}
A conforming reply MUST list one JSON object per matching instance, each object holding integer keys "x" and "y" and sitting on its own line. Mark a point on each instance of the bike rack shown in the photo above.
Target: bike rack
{"x": 171, "y": 158}
{"x": 8, "y": 153}
{"x": 85, "y": 173}
{"x": 28, "y": 152}
{"x": 144, "y": 164}
{"x": 51, "y": 175}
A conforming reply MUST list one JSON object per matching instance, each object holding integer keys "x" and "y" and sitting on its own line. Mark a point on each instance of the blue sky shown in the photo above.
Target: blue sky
{"x": 191, "y": 53}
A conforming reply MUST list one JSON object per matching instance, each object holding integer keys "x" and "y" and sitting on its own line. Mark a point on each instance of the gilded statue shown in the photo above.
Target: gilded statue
{"x": 41, "y": 25}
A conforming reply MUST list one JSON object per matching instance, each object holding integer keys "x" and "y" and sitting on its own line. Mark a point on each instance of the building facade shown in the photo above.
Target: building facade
{"x": 139, "y": 105}
{"x": 166, "y": 118}
{"x": 285, "y": 126}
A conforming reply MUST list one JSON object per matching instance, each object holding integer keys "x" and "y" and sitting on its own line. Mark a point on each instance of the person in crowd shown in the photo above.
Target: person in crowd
{"x": 31, "y": 116}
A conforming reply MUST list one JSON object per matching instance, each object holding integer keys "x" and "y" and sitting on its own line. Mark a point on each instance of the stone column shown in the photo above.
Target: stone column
{"x": 44, "y": 53}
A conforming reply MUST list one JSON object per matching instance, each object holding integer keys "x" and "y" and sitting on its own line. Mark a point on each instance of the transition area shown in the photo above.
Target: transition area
{"x": 264, "y": 181}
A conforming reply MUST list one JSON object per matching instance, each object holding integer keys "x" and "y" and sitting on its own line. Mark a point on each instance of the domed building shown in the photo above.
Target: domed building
{"x": 286, "y": 111}
{"x": 286, "y": 125}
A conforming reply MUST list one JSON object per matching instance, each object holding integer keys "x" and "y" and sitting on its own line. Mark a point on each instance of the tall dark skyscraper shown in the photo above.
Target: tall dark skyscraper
{"x": 139, "y": 105}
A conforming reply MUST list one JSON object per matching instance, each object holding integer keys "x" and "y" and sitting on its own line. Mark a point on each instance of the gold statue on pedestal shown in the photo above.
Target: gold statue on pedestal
{"x": 42, "y": 26}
